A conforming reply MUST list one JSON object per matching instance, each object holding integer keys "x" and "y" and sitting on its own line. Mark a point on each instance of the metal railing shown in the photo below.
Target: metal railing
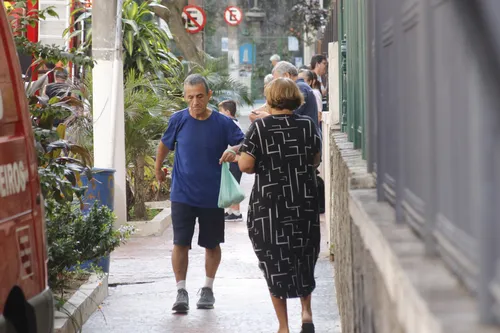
{"x": 424, "y": 76}
{"x": 352, "y": 63}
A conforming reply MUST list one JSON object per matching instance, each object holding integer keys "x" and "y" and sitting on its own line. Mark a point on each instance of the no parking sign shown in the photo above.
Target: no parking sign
{"x": 233, "y": 15}
{"x": 194, "y": 19}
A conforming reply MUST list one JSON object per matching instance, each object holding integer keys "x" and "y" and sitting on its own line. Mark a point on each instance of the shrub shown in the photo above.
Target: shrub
{"x": 74, "y": 238}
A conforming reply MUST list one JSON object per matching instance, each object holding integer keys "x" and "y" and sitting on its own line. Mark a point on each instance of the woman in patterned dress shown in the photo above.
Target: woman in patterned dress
{"x": 283, "y": 150}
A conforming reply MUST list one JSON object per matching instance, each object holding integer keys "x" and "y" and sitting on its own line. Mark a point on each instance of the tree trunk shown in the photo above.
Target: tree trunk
{"x": 139, "y": 198}
{"x": 184, "y": 41}
{"x": 130, "y": 199}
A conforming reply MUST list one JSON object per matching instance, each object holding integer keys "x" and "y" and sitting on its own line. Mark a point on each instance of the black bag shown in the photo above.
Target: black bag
{"x": 321, "y": 194}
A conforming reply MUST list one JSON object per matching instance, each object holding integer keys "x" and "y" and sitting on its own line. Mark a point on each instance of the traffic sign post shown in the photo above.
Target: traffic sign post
{"x": 194, "y": 19}
{"x": 233, "y": 15}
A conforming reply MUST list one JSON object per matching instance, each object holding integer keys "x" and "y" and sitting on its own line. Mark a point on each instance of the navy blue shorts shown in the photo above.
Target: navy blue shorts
{"x": 210, "y": 220}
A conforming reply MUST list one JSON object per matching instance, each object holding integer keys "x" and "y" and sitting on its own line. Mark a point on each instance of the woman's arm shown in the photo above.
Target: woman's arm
{"x": 317, "y": 160}
{"x": 246, "y": 162}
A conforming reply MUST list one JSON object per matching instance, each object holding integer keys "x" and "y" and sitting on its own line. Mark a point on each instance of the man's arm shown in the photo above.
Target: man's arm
{"x": 161, "y": 154}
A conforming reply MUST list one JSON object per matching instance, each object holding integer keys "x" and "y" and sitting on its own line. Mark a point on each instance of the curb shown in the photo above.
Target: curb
{"x": 155, "y": 227}
{"x": 79, "y": 308}
{"x": 158, "y": 204}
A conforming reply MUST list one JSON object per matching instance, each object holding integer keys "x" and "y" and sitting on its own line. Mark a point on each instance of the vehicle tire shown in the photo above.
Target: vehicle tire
{"x": 19, "y": 313}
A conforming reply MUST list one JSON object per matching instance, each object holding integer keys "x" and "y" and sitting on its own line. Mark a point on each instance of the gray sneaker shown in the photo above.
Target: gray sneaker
{"x": 207, "y": 299}
{"x": 181, "y": 304}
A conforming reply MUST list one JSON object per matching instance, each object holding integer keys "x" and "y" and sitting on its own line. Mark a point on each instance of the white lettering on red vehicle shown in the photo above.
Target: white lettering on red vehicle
{"x": 13, "y": 179}
{"x": 25, "y": 253}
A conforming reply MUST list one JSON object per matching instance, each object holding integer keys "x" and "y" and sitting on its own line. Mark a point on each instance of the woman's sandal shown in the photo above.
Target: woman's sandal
{"x": 307, "y": 328}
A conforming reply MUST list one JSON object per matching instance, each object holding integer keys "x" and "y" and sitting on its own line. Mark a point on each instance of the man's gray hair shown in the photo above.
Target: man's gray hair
{"x": 61, "y": 73}
{"x": 267, "y": 79}
{"x": 275, "y": 57}
{"x": 196, "y": 79}
{"x": 284, "y": 67}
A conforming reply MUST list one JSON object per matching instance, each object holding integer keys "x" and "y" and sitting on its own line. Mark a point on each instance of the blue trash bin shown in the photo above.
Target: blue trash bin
{"x": 101, "y": 188}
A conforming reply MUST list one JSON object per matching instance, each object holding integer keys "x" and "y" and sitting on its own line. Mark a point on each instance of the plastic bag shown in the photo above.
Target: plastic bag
{"x": 230, "y": 191}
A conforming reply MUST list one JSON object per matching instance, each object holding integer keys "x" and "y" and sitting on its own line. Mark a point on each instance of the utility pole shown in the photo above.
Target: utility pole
{"x": 108, "y": 108}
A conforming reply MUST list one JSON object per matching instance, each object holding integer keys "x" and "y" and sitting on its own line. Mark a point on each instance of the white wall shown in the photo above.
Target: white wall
{"x": 333, "y": 84}
{"x": 51, "y": 30}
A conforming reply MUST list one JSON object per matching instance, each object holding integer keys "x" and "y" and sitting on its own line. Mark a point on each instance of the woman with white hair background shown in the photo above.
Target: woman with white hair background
{"x": 275, "y": 59}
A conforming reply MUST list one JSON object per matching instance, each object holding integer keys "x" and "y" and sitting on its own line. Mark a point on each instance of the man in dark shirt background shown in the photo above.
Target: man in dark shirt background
{"x": 60, "y": 87}
{"x": 310, "y": 106}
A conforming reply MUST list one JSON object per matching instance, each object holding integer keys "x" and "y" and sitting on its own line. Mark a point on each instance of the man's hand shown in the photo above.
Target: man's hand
{"x": 161, "y": 175}
{"x": 228, "y": 156}
{"x": 161, "y": 153}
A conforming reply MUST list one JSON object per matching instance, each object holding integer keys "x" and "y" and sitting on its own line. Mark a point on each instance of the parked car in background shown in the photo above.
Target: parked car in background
{"x": 26, "y": 303}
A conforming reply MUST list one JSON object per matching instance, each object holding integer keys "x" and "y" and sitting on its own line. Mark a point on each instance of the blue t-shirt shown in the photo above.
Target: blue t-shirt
{"x": 198, "y": 146}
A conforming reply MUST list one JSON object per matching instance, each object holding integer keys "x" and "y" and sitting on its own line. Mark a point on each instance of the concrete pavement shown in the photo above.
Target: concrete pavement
{"x": 142, "y": 289}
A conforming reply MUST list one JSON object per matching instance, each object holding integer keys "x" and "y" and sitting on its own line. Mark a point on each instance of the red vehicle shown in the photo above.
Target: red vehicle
{"x": 26, "y": 303}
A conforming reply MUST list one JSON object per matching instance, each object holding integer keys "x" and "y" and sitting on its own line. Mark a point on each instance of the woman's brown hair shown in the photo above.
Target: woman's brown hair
{"x": 283, "y": 94}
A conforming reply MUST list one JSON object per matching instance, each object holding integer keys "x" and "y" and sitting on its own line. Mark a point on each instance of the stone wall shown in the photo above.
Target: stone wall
{"x": 348, "y": 171}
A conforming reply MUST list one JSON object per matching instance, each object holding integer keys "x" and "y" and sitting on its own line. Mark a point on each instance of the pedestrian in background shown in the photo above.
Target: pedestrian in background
{"x": 275, "y": 58}
{"x": 310, "y": 107}
{"x": 284, "y": 150}
{"x": 228, "y": 108}
{"x": 319, "y": 65}
{"x": 200, "y": 139}
{"x": 312, "y": 80}
{"x": 60, "y": 88}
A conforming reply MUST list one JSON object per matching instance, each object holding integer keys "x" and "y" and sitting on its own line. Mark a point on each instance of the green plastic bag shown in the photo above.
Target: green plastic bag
{"x": 230, "y": 191}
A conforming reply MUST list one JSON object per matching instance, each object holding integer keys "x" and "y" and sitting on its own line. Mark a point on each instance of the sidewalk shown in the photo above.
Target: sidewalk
{"x": 142, "y": 290}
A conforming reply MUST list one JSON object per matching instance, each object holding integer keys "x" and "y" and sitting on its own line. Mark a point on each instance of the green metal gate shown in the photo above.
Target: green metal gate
{"x": 352, "y": 63}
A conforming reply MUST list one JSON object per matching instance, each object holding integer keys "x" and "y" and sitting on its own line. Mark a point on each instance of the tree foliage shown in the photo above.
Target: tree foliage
{"x": 308, "y": 17}
{"x": 148, "y": 104}
{"x": 145, "y": 44}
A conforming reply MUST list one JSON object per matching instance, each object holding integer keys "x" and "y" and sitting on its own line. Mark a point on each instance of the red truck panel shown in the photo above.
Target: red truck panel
{"x": 22, "y": 234}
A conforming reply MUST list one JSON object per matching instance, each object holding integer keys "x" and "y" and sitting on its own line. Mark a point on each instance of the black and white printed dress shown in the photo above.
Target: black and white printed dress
{"x": 283, "y": 218}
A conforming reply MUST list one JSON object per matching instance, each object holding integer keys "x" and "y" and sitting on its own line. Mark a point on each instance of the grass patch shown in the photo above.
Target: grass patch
{"x": 150, "y": 214}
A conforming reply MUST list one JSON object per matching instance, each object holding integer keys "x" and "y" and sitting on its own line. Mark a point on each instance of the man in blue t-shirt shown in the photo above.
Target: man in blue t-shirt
{"x": 200, "y": 138}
